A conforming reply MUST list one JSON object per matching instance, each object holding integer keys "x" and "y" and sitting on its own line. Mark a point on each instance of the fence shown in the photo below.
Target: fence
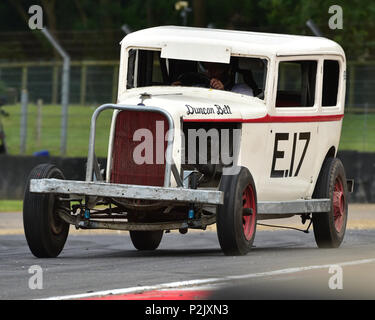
{"x": 90, "y": 81}
{"x": 95, "y": 82}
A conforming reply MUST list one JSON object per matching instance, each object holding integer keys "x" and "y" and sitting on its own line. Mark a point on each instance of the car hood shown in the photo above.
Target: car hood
{"x": 197, "y": 104}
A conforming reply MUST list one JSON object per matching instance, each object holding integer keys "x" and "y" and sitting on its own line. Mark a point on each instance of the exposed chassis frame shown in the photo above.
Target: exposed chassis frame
{"x": 207, "y": 198}
{"x": 94, "y": 190}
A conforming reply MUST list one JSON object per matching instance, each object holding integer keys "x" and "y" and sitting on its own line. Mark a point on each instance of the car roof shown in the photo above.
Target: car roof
{"x": 238, "y": 42}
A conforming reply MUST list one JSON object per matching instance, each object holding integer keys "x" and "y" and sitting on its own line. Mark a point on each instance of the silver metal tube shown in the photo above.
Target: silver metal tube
{"x": 55, "y": 44}
{"x": 64, "y": 88}
{"x": 65, "y": 105}
{"x": 313, "y": 27}
{"x": 23, "y": 129}
{"x": 91, "y": 153}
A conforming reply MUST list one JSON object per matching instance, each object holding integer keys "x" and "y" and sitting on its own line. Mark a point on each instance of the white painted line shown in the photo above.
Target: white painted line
{"x": 205, "y": 282}
{"x": 140, "y": 289}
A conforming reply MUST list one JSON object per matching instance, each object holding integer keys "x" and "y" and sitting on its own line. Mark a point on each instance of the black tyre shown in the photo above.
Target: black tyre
{"x": 329, "y": 227}
{"x": 237, "y": 217}
{"x": 45, "y": 231}
{"x": 146, "y": 240}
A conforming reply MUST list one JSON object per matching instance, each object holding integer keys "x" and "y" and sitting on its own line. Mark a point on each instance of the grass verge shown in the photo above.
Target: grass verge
{"x": 50, "y": 133}
{"x": 11, "y": 205}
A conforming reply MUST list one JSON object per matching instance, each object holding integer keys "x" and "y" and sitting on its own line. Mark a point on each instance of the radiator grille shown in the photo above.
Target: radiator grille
{"x": 124, "y": 169}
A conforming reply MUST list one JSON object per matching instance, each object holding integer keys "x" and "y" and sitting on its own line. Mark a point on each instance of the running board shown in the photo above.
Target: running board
{"x": 294, "y": 207}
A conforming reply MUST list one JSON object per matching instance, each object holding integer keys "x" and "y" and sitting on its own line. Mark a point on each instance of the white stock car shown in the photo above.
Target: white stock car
{"x": 211, "y": 126}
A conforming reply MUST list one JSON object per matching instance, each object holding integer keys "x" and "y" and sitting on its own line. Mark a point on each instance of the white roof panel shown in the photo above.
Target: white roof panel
{"x": 239, "y": 42}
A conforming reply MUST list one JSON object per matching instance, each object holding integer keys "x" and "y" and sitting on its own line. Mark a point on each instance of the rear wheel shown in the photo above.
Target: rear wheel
{"x": 45, "y": 231}
{"x": 146, "y": 240}
{"x": 329, "y": 227}
{"x": 237, "y": 217}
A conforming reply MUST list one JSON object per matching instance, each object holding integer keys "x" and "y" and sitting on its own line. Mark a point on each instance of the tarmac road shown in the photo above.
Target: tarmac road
{"x": 104, "y": 262}
{"x": 284, "y": 264}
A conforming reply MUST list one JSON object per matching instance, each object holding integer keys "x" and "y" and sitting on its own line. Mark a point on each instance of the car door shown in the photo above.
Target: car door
{"x": 293, "y": 129}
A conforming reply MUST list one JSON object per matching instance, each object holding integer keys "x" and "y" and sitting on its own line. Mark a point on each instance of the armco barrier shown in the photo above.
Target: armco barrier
{"x": 360, "y": 166}
{"x": 14, "y": 171}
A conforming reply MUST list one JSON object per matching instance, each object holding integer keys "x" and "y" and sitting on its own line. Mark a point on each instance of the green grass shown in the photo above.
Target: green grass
{"x": 358, "y": 131}
{"x": 78, "y": 130}
{"x": 11, "y": 205}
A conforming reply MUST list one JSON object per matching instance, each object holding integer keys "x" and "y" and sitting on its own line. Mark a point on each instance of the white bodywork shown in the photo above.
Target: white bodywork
{"x": 260, "y": 119}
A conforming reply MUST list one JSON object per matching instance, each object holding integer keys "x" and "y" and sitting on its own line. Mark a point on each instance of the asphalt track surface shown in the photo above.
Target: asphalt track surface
{"x": 272, "y": 270}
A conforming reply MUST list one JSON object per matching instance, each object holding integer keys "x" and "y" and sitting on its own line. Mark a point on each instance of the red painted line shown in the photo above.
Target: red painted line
{"x": 159, "y": 295}
{"x": 276, "y": 119}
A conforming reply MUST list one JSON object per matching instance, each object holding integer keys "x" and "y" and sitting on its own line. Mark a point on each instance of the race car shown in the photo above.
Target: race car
{"x": 210, "y": 127}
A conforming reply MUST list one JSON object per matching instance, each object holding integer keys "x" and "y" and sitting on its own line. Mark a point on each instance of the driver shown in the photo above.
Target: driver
{"x": 220, "y": 75}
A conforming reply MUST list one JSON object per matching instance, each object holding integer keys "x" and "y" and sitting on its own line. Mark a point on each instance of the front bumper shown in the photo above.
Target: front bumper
{"x": 110, "y": 190}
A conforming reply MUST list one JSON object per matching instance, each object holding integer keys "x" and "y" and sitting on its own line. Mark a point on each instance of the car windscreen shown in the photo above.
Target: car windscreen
{"x": 242, "y": 75}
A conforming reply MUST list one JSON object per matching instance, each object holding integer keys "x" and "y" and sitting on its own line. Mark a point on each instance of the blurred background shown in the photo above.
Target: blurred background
{"x": 90, "y": 32}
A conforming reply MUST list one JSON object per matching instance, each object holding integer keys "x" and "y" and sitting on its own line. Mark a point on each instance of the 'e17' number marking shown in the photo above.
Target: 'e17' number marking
{"x": 277, "y": 154}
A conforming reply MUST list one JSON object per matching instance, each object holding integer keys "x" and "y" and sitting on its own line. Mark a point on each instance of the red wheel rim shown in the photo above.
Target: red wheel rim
{"x": 248, "y": 220}
{"x": 339, "y": 205}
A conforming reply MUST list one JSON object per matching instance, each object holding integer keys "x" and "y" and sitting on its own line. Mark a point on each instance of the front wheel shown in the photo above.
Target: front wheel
{"x": 329, "y": 227}
{"x": 237, "y": 217}
{"x": 45, "y": 231}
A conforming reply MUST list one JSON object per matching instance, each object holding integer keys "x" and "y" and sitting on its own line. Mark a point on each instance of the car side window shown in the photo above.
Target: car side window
{"x": 144, "y": 69}
{"x": 296, "y": 84}
{"x": 331, "y": 76}
{"x": 130, "y": 83}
